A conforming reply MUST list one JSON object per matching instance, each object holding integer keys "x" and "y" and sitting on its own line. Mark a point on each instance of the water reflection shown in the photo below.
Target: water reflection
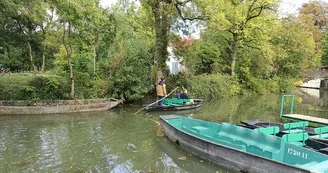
{"x": 177, "y": 160}
{"x": 312, "y": 102}
{"x": 119, "y": 141}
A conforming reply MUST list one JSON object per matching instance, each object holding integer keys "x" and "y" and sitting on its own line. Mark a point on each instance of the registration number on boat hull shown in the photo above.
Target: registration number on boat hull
{"x": 297, "y": 153}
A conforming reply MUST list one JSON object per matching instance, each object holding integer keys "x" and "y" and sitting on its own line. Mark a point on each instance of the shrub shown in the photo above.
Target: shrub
{"x": 212, "y": 86}
{"x": 48, "y": 88}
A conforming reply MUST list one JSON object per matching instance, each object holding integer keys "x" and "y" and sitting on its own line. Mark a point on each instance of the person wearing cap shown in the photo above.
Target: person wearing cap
{"x": 161, "y": 91}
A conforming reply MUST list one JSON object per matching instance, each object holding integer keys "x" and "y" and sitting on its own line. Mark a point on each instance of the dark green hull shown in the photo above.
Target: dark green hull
{"x": 155, "y": 107}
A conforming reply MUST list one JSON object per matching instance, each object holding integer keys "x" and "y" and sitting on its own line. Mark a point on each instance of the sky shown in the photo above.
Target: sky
{"x": 107, "y": 3}
{"x": 286, "y": 6}
{"x": 292, "y": 6}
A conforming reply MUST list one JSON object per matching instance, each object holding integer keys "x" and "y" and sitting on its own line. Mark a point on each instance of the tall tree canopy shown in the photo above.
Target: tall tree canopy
{"x": 125, "y": 46}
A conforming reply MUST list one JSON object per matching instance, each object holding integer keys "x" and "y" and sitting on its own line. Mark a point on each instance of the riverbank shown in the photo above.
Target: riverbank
{"x": 31, "y": 86}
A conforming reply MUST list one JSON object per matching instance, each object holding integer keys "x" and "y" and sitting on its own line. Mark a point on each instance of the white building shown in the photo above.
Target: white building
{"x": 174, "y": 63}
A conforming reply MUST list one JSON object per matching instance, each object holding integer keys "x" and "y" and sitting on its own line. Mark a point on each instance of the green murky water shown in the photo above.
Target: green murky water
{"x": 118, "y": 141}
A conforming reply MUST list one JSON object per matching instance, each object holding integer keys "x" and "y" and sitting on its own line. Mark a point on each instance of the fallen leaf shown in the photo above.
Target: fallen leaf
{"x": 182, "y": 158}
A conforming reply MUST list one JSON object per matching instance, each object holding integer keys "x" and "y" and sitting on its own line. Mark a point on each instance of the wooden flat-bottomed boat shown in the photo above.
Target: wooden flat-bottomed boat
{"x": 55, "y": 106}
{"x": 241, "y": 148}
{"x": 171, "y": 105}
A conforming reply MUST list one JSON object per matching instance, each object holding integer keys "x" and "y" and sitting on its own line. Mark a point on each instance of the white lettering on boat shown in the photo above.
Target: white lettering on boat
{"x": 297, "y": 153}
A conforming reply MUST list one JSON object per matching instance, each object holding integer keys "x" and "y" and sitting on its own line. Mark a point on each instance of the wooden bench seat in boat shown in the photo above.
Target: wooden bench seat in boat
{"x": 237, "y": 137}
{"x": 321, "y": 132}
{"x": 295, "y": 127}
{"x": 296, "y": 138}
{"x": 268, "y": 130}
{"x": 204, "y": 132}
{"x": 268, "y": 147}
{"x": 200, "y": 129}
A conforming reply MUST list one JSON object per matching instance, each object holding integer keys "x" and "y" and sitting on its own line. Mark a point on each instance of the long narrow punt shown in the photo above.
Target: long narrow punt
{"x": 240, "y": 148}
{"x": 55, "y": 106}
{"x": 315, "y": 120}
{"x": 175, "y": 107}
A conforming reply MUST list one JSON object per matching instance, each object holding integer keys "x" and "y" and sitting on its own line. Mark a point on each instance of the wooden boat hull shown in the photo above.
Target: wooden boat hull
{"x": 156, "y": 107}
{"x": 222, "y": 155}
{"x": 56, "y": 106}
{"x": 320, "y": 145}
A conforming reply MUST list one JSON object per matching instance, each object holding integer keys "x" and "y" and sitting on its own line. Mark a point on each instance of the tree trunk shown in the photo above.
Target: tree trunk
{"x": 31, "y": 56}
{"x": 94, "y": 62}
{"x": 68, "y": 49}
{"x": 161, "y": 29}
{"x": 164, "y": 39}
{"x": 43, "y": 59}
{"x": 72, "y": 96}
{"x": 95, "y": 51}
{"x": 158, "y": 33}
{"x": 234, "y": 53}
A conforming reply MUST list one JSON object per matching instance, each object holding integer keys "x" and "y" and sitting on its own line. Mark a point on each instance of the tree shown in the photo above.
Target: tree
{"x": 239, "y": 18}
{"x": 23, "y": 18}
{"x": 324, "y": 57}
{"x": 314, "y": 18}
{"x": 72, "y": 21}
{"x": 293, "y": 45}
{"x": 130, "y": 63}
{"x": 201, "y": 57}
{"x": 164, "y": 13}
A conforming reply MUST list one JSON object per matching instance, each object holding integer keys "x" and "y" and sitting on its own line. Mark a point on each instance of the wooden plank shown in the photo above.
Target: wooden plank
{"x": 317, "y": 120}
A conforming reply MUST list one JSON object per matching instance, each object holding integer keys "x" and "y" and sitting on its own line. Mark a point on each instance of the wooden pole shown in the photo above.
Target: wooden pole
{"x": 156, "y": 101}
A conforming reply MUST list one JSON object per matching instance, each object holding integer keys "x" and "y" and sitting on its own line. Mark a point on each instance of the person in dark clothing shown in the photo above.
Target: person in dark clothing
{"x": 184, "y": 95}
{"x": 178, "y": 93}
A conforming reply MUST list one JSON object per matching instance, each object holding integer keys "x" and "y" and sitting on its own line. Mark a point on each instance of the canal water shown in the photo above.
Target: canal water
{"x": 117, "y": 141}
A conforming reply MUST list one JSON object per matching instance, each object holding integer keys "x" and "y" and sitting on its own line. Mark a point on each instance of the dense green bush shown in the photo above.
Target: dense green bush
{"x": 43, "y": 87}
{"x": 212, "y": 86}
{"x": 179, "y": 80}
{"x": 206, "y": 86}
{"x": 33, "y": 87}
{"x": 11, "y": 85}
{"x": 217, "y": 86}
{"x": 130, "y": 62}
{"x": 49, "y": 87}
{"x": 267, "y": 86}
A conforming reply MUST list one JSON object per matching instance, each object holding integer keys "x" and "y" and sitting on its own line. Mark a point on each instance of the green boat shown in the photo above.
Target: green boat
{"x": 175, "y": 104}
{"x": 240, "y": 148}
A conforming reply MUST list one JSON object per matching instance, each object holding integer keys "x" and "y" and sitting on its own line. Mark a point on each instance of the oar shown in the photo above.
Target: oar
{"x": 156, "y": 101}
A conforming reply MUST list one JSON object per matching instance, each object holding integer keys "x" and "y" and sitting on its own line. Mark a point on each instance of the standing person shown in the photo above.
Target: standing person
{"x": 161, "y": 91}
